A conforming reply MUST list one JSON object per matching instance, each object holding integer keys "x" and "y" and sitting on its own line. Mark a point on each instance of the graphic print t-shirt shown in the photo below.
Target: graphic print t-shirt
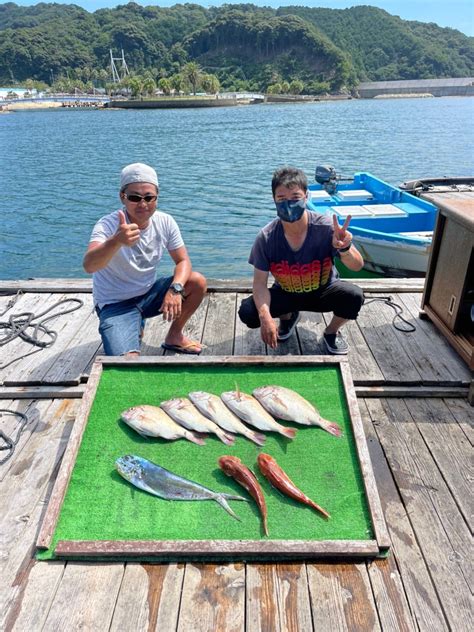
{"x": 305, "y": 270}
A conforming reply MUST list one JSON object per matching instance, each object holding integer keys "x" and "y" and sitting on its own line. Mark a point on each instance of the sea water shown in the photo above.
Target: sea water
{"x": 59, "y": 169}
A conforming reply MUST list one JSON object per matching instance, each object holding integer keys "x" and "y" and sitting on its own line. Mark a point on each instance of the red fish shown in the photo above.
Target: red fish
{"x": 233, "y": 467}
{"x": 277, "y": 477}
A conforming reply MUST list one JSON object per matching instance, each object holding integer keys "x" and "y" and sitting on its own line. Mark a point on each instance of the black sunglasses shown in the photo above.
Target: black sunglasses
{"x": 138, "y": 198}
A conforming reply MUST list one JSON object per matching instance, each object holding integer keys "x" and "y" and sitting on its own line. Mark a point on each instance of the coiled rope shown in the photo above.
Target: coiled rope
{"x": 18, "y": 325}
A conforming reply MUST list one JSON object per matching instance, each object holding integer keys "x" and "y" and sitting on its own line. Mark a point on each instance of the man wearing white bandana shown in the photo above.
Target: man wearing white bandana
{"x": 124, "y": 251}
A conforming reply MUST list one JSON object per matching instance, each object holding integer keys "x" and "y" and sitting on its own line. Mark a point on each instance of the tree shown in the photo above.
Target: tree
{"x": 210, "y": 84}
{"x": 296, "y": 87}
{"x": 148, "y": 85}
{"x": 164, "y": 84}
{"x": 274, "y": 88}
{"x": 177, "y": 82}
{"x": 136, "y": 86}
{"x": 193, "y": 73}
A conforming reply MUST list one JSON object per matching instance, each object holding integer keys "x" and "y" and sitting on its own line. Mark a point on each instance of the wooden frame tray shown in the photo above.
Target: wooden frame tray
{"x": 265, "y": 549}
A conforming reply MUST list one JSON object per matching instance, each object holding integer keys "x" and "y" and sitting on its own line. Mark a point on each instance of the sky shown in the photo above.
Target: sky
{"x": 457, "y": 14}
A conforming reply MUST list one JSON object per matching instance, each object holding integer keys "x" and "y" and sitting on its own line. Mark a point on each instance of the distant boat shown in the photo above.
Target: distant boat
{"x": 391, "y": 228}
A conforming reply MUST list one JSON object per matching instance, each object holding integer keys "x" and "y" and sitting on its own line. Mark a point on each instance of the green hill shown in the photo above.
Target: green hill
{"x": 245, "y": 46}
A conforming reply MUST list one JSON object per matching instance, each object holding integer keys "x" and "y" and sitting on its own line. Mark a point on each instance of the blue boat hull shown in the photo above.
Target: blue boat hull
{"x": 392, "y": 228}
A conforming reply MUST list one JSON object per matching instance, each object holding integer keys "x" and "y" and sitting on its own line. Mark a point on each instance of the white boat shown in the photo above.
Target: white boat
{"x": 391, "y": 227}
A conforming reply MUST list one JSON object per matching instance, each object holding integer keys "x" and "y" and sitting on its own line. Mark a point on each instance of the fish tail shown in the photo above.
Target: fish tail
{"x": 233, "y": 497}
{"x": 320, "y": 509}
{"x": 195, "y": 438}
{"x": 331, "y": 427}
{"x": 226, "y": 438}
{"x": 265, "y": 526}
{"x": 221, "y": 499}
{"x": 257, "y": 438}
{"x": 290, "y": 433}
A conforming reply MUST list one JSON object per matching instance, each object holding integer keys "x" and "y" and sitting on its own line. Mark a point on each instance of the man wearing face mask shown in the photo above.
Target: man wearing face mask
{"x": 124, "y": 251}
{"x": 298, "y": 249}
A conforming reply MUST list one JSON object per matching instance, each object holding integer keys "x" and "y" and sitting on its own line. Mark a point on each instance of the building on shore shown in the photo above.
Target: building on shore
{"x": 463, "y": 86}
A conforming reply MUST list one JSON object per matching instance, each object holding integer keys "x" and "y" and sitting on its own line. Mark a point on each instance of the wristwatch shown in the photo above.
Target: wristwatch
{"x": 177, "y": 288}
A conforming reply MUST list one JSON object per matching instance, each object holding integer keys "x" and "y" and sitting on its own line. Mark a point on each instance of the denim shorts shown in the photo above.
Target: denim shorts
{"x": 121, "y": 323}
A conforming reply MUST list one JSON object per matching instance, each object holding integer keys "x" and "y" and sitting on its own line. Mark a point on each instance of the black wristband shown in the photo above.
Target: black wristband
{"x": 346, "y": 249}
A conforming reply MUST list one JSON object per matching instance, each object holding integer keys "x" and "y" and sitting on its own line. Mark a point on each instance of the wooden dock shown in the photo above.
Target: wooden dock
{"x": 412, "y": 390}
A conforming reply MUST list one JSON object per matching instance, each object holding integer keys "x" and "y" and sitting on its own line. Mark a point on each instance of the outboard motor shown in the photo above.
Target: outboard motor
{"x": 327, "y": 177}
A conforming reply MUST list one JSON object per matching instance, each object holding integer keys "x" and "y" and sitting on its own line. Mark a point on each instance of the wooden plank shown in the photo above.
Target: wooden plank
{"x": 462, "y": 411}
{"x": 33, "y": 366}
{"x": 86, "y": 597}
{"x": 404, "y": 575}
{"x": 24, "y": 495}
{"x": 411, "y": 391}
{"x": 10, "y": 303}
{"x": 10, "y": 424}
{"x": 217, "y": 550}
{"x": 18, "y": 347}
{"x": 149, "y": 597}
{"x": 62, "y": 480}
{"x": 47, "y": 285}
{"x": 33, "y": 600}
{"x": 310, "y": 333}
{"x": 277, "y": 598}
{"x": 396, "y": 364}
{"x": 371, "y": 492}
{"x": 446, "y": 363}
{"x": 213, "y": 598}
{"x": 392, "y": 606}
{"x": 29, "y": 475}
{"x": 69, "y": 365}
{"x": 154, "y": 334}
{"x": 214, "y": 285}
{"x": 363, "y": 364}
{"x": 449, "y": 447}
{"x": 41, "y": 392}
{"x": 247, "y": 341}
{"x": 219, "y": 328}
{"x": 341, "y": 598}
{"x": 437, "y": 524}
{"x": 228, "y": 360}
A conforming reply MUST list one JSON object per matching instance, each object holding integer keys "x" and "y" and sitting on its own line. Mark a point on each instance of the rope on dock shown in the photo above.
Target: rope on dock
{"x": 409, "y": 328}
{"x": 10, "y": 444}
{"x": 18, "y": 324}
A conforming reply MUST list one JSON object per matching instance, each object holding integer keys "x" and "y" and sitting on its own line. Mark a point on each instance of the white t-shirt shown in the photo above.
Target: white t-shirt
{"x": 132, "y": 270}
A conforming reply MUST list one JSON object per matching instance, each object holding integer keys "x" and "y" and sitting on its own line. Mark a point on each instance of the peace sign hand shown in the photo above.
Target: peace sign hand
{"x": 342, "y": 237}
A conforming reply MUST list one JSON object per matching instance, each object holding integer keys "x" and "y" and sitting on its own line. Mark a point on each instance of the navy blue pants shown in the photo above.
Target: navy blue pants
{"x": 342, "y": 298}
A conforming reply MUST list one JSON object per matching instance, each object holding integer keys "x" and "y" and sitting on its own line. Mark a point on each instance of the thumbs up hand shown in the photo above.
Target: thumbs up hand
{"x": 342, "y": 237}
{"x": 127, "y": 234}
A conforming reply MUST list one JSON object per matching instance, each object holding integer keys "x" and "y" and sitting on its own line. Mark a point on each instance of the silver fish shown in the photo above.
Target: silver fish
{"x": 289, "y": 405}
{"x": 247, "y": 408}
{"x": 151, "y": 421}
{"x": 186, "y": 414}
{"x": 156, "y": 480}
{"x": 214, "y": 408}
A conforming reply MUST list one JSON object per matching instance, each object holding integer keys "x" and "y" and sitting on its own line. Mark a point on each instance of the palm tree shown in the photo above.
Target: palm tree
{"x": 192, "y": 72}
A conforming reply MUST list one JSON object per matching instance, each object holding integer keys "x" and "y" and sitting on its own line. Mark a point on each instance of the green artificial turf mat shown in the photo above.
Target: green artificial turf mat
{"x": 100, "y": 505}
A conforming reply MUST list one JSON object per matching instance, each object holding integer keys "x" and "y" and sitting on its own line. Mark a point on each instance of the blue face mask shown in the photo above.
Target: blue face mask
{"x": 290, "y": 210}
